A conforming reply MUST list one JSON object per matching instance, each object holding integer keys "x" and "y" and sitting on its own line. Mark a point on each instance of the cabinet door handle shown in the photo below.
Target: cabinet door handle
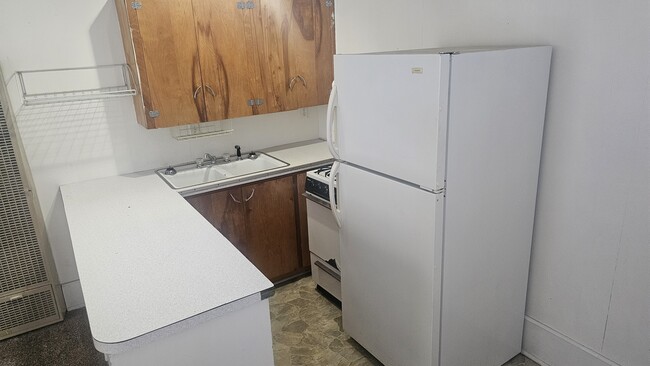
{"x": 196, "y": 92}
{"x": 234, "y": 199}
{"x": 292, "y": 82}
{"x": 251, "y": 196}
{"x": 210, "y": 90}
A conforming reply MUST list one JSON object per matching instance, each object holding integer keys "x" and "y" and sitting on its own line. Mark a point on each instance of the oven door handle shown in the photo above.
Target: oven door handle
{"x": 334, "y": 202}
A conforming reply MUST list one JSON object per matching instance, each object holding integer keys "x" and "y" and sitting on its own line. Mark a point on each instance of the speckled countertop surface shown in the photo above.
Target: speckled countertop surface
{"x": 148, "y": 261}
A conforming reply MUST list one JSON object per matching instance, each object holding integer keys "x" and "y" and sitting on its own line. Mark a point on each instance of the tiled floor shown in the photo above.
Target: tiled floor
{"x": 306, "y": 331}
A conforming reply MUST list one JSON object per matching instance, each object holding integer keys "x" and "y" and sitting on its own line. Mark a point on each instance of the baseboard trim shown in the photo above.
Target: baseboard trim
{"x": 549, "y": 347}
{"x": 532, "y": 357}
{"x": 73, "y": 295}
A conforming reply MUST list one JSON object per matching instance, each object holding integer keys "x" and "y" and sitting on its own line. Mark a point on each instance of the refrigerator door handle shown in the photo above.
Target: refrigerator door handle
{"x": 334, "y": 203}
{"x": 331, "y": 105}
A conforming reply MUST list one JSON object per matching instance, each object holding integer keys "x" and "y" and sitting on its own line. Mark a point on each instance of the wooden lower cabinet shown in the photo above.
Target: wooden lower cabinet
{"x": 264, "y": 221}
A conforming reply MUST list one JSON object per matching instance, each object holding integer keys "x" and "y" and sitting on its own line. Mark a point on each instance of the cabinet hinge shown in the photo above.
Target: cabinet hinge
{"x": 154, "y": 114}
{"x": 245, "y": 5}
{"x": 253, "y": 102}
{"x": 329, "y": 3}
{"x": 136, "y": 5}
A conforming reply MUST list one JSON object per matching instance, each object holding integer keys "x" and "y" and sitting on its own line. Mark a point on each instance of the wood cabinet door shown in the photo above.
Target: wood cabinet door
{"x": 225, "y": 211}
{"x": 230, "y": 61}
{"x": 289, "y": 43}
{"x": 271, "y": 227}
{"x": 164, "y": 41}
{"x": 299, "y": 46}
{"x": 325, "y": 49}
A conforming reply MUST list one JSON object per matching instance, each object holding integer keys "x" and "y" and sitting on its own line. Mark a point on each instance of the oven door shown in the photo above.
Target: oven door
{"x": 324, "y": 247}
{"x": 323, "y": 234}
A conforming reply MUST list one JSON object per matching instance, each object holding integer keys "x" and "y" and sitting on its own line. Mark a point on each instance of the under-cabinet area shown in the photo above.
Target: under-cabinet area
{"x": 207, "y": 60}
{"x": 265, "y": 220}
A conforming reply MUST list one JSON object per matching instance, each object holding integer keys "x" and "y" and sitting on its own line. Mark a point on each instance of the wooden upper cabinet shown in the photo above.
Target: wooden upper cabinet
{"x": 230, "y": 61}
{"x": 160, "y": 35}
{"x": 298, "y": 44}
{"x": 206, "y": 60}
{"x": 325, "y": 49}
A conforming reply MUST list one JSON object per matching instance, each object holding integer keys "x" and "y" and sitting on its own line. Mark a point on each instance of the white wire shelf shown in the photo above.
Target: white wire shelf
{"x": 75, "y": 84}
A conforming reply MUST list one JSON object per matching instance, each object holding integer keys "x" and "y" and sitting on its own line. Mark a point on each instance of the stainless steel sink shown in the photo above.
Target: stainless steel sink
{"x": 189, "y": 174}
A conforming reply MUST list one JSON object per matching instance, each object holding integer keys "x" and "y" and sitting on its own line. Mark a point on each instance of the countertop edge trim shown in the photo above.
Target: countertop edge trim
{"x": 150, "y": 337}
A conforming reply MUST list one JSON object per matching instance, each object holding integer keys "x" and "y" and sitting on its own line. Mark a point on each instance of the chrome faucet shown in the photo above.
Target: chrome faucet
{"x": 207, "y": 159}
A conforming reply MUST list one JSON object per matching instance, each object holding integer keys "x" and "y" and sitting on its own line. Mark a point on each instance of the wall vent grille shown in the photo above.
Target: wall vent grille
{"x": 21, "y": 262}
{"x": 28, "y": 297}
{"x": 32, "y": 308}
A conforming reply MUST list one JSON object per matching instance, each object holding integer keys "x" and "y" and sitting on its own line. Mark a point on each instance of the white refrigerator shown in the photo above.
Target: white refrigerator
{"x": 437, "y": 159}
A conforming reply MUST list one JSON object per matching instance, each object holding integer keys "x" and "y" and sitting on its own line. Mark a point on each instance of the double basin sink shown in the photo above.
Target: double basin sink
{"x": 190, "y": 174}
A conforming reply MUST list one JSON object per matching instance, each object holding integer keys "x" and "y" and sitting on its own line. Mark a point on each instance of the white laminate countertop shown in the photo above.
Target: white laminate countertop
{"x": 150, "y": 264}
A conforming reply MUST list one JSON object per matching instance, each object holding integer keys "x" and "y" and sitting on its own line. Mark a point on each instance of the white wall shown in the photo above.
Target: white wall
{"x": 589, "y": 281}
{"x": 89, "y": 140}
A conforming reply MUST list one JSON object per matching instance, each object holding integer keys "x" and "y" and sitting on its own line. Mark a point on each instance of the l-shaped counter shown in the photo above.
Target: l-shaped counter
{"x": 161, "y": 284}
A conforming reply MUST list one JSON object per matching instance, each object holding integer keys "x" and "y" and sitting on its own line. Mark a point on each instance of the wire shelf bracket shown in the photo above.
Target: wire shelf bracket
{"x": 76, "y": 84}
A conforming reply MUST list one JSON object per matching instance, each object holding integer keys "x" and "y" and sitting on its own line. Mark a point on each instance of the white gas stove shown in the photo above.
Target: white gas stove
{"x": 317, "y": 184}
{"x": 323, "y": 232}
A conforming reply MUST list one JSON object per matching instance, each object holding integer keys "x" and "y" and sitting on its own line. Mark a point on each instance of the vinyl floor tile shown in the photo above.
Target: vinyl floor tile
{"x": 306, "y": 331}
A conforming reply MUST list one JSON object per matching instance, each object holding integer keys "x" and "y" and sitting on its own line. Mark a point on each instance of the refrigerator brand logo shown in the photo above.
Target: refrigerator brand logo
{"x": 416, "y": 70}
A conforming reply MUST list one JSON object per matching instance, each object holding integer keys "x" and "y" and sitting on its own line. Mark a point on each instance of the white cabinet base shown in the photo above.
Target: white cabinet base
{"x": 239, "y": 338}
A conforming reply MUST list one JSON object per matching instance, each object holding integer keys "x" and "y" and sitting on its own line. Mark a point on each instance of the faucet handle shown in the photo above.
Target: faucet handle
{"x": 238, "y": 148}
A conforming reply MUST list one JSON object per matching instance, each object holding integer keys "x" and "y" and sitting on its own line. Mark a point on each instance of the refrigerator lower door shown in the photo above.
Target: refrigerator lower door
{"x": 388, "y": 259}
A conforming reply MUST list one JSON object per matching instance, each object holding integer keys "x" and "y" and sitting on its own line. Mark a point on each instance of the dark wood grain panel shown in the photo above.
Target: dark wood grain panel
{"x": 225, "y": 215}
{"x": 325, "y": 49}
{"x": 164, "y": 43}
{"x": 302, "y": 220}
{"x": 229, "y": 57}
{"x": 271, "y": 227}
{"x": 290, "y": 50}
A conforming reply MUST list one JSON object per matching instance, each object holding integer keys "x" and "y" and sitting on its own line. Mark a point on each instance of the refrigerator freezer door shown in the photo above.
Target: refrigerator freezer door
{"x": 388, "y": 266}
{"x": 388, "y": 113}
